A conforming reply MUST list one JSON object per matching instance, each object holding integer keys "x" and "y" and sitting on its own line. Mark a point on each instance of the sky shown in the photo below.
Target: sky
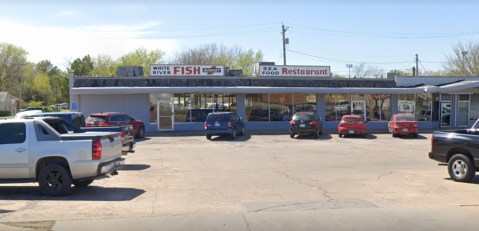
{"x": 383, "y": 34}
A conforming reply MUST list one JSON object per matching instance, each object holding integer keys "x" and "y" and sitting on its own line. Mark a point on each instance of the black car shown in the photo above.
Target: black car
{"x": 305, "y": 123}
{"x": 224, "y": 124}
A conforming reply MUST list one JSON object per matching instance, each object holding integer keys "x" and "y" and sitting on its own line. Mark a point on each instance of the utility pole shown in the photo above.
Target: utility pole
{"x": 417, "y": 65}
{"x": 285, "y": 41}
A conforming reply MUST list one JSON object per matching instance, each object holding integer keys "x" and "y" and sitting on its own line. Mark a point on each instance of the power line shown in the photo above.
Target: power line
{"x": 348, "y": 61}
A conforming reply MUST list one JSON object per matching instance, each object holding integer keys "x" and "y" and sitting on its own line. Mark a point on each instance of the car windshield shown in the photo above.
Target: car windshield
{"x": 404, "y": 118}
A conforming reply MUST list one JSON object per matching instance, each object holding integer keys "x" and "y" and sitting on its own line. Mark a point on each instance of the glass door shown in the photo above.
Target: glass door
{"x": 359, "y": 108}
{"x": 463, "y": 111}
{"x": 445, "y": 114}
{"x": 165, "y": 115}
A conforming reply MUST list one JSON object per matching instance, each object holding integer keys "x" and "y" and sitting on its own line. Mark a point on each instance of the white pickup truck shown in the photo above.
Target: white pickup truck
{"x": 32, "y": 151}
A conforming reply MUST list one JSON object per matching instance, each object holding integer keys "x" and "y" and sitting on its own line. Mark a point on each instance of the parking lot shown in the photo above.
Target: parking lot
{"x": 259, "y": 182}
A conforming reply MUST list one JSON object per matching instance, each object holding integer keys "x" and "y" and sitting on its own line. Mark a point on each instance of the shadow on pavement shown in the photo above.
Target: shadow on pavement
{"x": 90, "y": 193}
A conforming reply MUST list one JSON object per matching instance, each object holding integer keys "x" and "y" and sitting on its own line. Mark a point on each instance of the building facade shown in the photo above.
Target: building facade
{"x": 178, "y": 97}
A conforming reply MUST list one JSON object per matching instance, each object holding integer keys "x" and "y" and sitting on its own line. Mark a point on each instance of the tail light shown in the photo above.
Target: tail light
{"x": 292, "y": 122}
{"x": 205, "y": 124}
{"x": 313, "y": 123}
{"x": 432, "y": 142}
{"x": 230, "y": 125}
{"x": 96, "y": 150}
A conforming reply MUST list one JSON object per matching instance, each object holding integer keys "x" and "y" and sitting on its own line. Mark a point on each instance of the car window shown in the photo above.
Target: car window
{"x": 96, "y": 119}
{"x": 352, "y": 120}
{"x": 303, "y": 116}
{"x": 404, "y": 118}
{"x": 216, "y": 117}
{"x": 115, "y": 118}
{"x": 12, "y": 133}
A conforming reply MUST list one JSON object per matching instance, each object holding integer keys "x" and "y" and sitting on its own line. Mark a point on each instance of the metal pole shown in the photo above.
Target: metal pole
{"x": 283, "y": 31}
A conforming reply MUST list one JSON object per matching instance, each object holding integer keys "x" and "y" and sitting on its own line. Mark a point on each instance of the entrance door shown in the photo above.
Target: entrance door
{"x": 359, "y": 108}
{"x": 445, "y": 113}
{"x": 165, "y": 115}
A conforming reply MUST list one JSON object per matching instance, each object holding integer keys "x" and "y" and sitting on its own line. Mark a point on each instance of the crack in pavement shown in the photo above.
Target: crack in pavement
{"x": 246, "y": 221}
{"x": 299, "y": 181}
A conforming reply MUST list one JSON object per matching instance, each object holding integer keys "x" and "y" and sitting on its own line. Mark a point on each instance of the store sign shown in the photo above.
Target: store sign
{"x": 186, "y": 70}
{"x": 294, "y": 71}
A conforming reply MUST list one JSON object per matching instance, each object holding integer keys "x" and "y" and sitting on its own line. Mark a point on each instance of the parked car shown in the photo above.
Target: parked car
{"x": 107, "y": 119}
{"x": 75, "y": 123}
{"x": 305, "y": 123}
{"x": 403, "y": 124}
{"x": 352, "y": 125}
{"x": 223, "y": 124}
{"x": 56, "y": 161}
{"x": 458, "y": 150}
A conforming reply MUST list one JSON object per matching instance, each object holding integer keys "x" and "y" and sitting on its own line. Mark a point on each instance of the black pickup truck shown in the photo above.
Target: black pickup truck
{"x": 74, "y": 122}
{"x": 459, "y": 150}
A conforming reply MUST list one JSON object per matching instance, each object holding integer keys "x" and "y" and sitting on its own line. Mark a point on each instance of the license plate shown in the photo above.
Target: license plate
{"x": 351, "y": 132}
{"x": 404, "y": 129}
{"x": 302, "y": 125}
{"x": 217, "y": 124}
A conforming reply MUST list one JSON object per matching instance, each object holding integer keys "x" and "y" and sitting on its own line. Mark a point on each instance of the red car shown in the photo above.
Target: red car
{"x": 106, "y": 119}
{"x": 403, "y": 124}
{"x": 352, "y": 125}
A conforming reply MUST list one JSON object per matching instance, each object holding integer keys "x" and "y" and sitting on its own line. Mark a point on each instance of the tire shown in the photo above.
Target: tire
{"x": 140, "y": 133}
{"x": 82, "y": 183}
{"x": 317, "y": 134}
{"x": 340, "y": 135}
{"x": 208, "y": 137}
{"x": 243, "y": 132}
{"x": 461, "y": 168}
{"x": 54, "y": 180}
{"x": 365, "y": 135}
{"x": 394, "y": 134}
{"x": 321, "y": 131}
{"x": 291, "y": 135}
{"x": 415, "y": 135}
{"x": 233, "y": 134}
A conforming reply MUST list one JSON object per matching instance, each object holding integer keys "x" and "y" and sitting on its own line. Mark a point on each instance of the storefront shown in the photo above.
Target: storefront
{"x": 178, "y": 97}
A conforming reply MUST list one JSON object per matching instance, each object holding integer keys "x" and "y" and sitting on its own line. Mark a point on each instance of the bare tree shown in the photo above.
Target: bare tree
{"x": 235, "y": 57}
{"x": 363, "y": 71}
{"x": 464, "y": 61}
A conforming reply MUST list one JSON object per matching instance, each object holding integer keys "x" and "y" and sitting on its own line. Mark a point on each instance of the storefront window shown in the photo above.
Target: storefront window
{"x": 337, "y": 105}
{"x": 194, "y": 107}
{"x": 257, "y": 107}
{"x": 474, "y": 112}
{"x": 423, "y": 107}
{"x": 378, "y": 107}
{"x": 406, "y": 103}
{"x": 304, "y": 102}
{"x": 280, "y": 107}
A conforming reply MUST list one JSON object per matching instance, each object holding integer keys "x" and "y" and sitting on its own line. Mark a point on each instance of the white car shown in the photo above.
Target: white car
{"x": 24, "y": 114}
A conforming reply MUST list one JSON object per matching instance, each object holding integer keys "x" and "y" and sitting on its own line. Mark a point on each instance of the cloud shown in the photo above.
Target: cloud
{"x": 66, "y": 13}
{"x": 62, "y": 45}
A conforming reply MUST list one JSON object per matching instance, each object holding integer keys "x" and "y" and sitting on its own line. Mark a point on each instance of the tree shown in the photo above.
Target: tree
{"x": 363, "y": 71}
{"x": 82, "y": 67}
{"x": 235, "y": 57}
{"x": 12, "y": 65}
{"x": 141, "y": 57}
{"x": 397, "y": 72}
{"x": 464, "y": 61}
{"x": 104, "y": 65}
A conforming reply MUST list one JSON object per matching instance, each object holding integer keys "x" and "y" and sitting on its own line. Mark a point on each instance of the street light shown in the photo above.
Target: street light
{"x": 349, "y": 66}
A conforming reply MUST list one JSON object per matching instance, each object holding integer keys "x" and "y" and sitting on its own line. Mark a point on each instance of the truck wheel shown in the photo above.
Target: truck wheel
{"x": 54, "y": 180}
{"x": 82, "y": 183}
{"x": 208, "y": 137}
{"x": 461, "y": 168}
{"x": 140, "y": 133}
{"x": 291, "y": 135}
{"x": 233, "y": 134}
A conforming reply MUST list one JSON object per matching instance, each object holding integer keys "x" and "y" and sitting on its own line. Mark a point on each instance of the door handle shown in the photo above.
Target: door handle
{"x": 20, "y": 149}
